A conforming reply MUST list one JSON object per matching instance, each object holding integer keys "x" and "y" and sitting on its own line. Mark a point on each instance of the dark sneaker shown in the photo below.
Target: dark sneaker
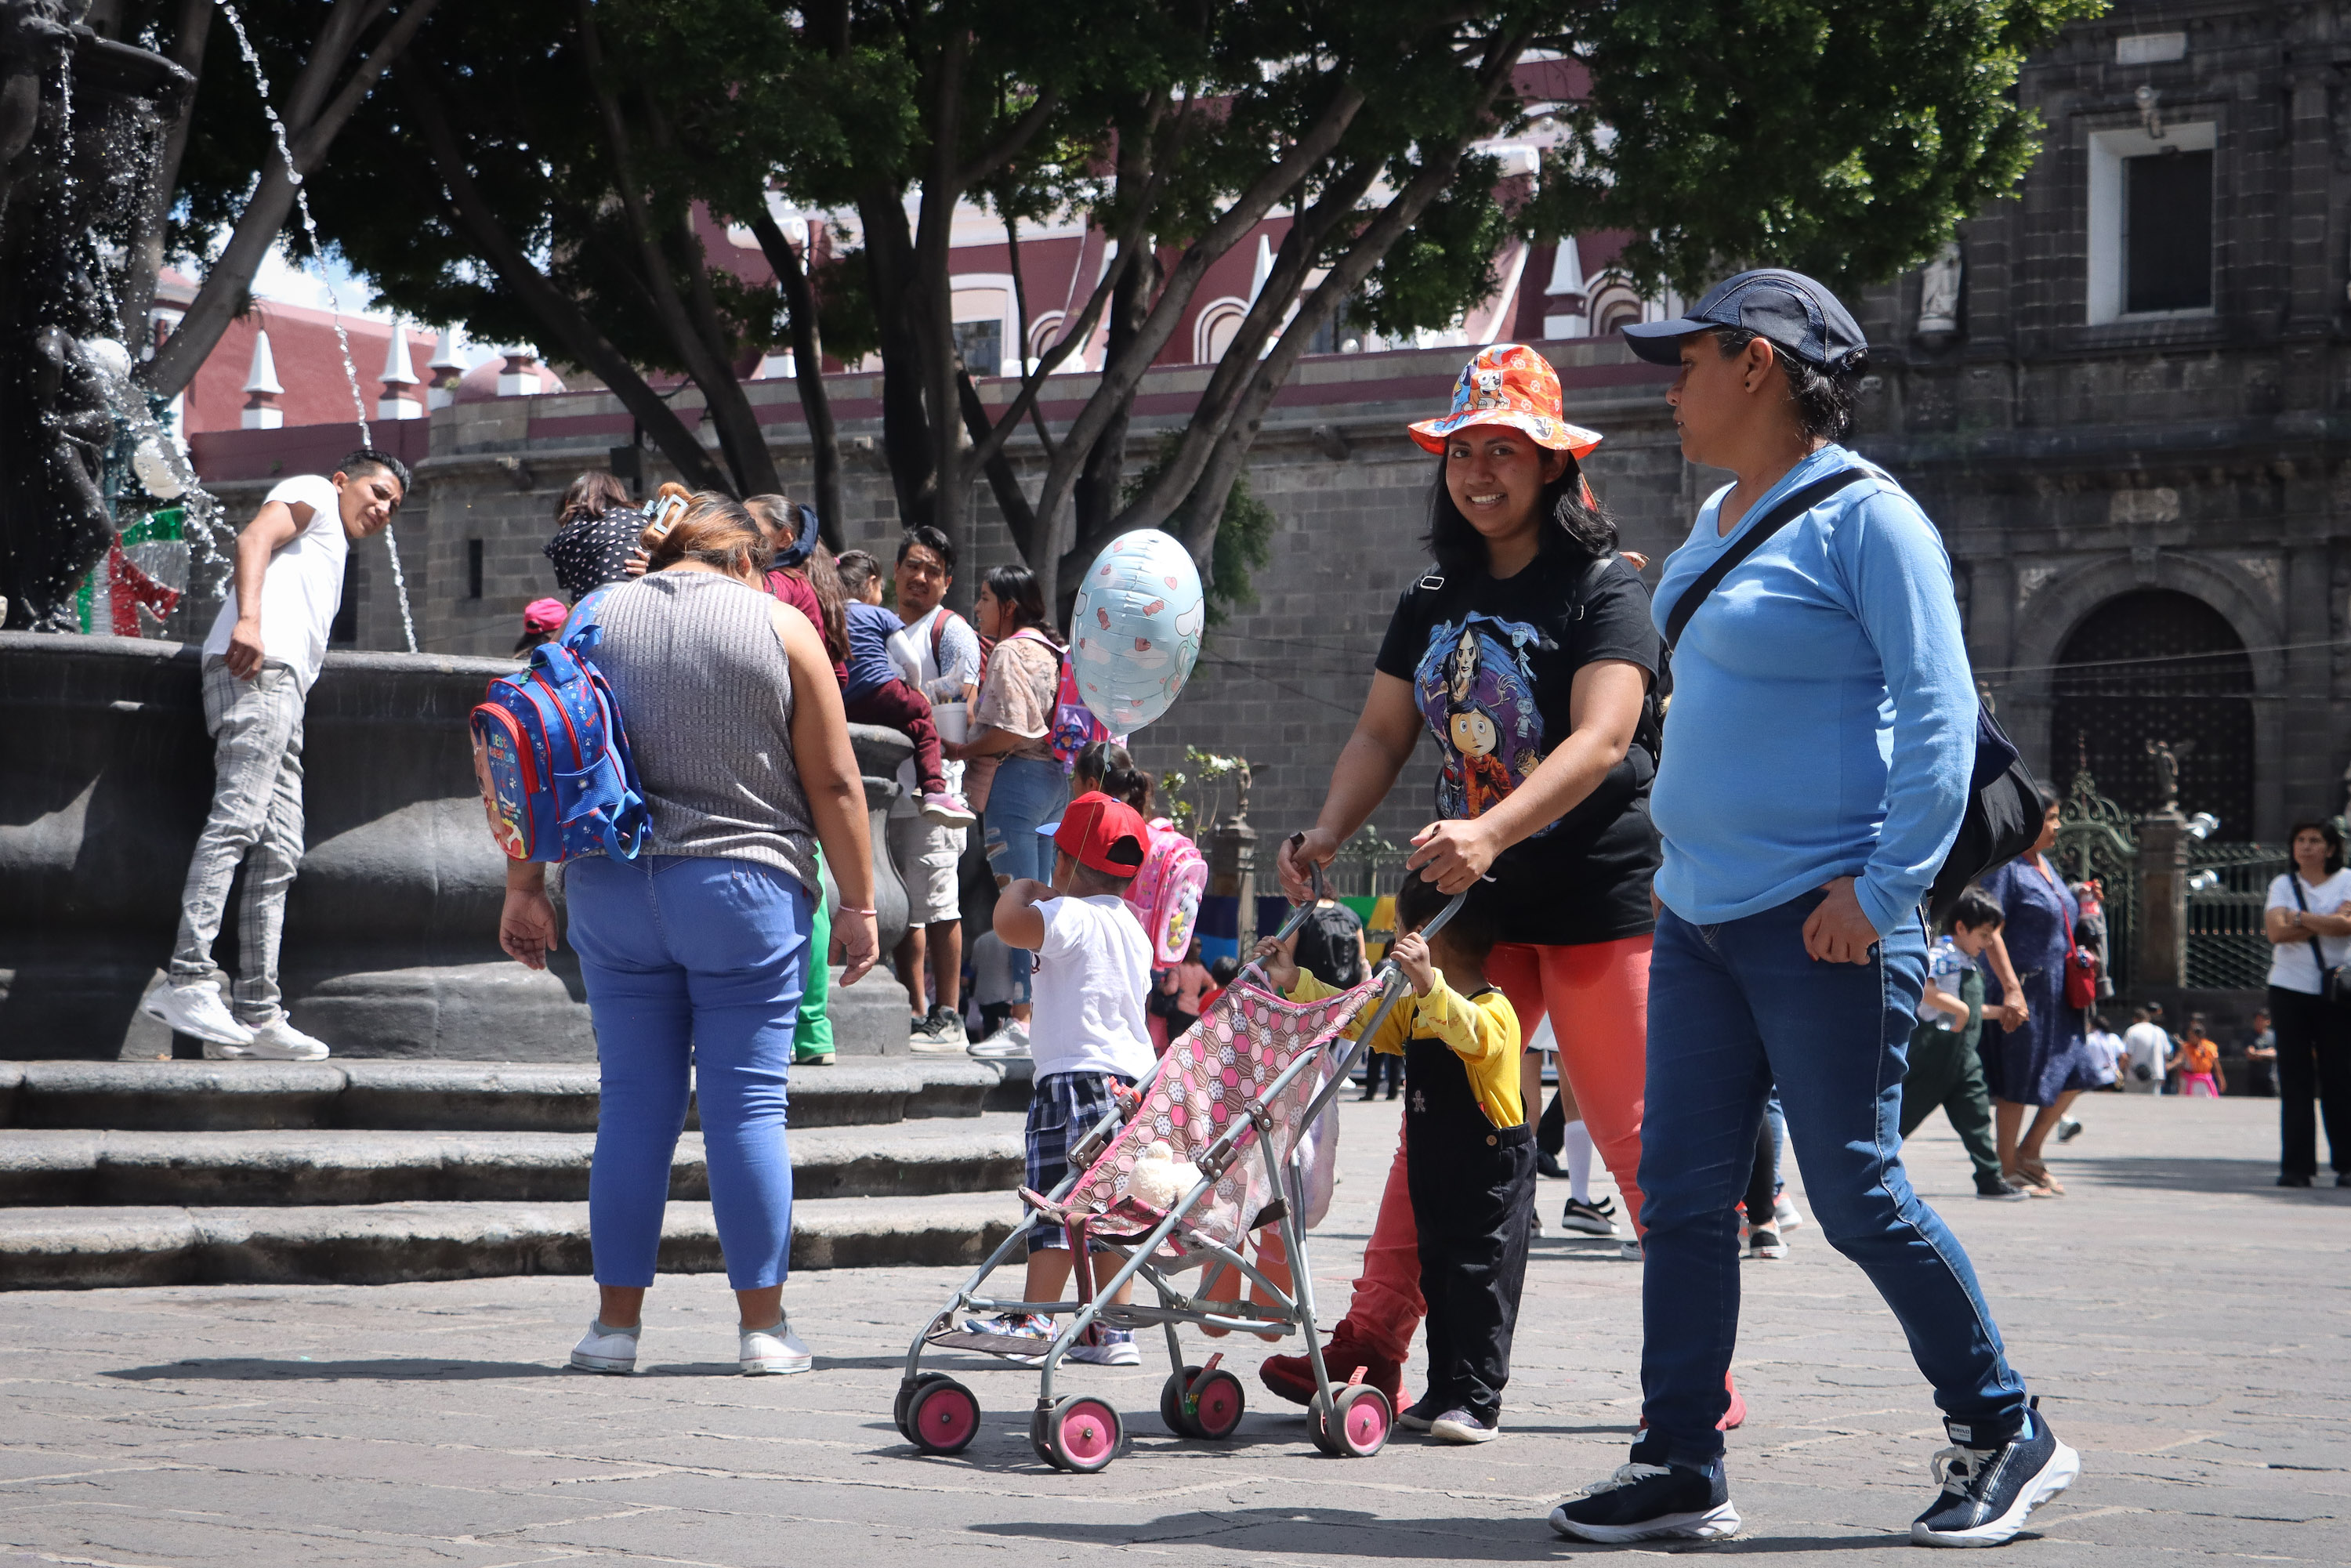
{"x": 2068, "y": 1129}
{"x": 1546, "y": 1162}
{"x": 1764, "y": 1242}
{"x": 1988, "y": 1493}
{"x": 2291, "y": 1179}
{"x": 1591, "y": 1219}
{"x": 1431, "y": 1405}
{"x": 2000, "y": 1189}
{"x": 1649, "y": 1501}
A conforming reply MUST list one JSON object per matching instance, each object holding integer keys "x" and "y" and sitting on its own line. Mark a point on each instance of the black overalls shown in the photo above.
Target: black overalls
{"x": 1473, "y": 1194}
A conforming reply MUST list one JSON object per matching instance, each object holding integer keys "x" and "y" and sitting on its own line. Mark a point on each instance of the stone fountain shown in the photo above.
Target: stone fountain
{"x": 390, "y": 945}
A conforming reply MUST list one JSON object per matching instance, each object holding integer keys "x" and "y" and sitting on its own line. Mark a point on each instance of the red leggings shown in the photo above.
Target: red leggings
{"x": 894, "y": 705}
{"x": 1597, "y": 994}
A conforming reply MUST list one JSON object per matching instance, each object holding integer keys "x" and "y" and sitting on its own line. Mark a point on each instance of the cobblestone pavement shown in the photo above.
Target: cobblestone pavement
{"x": 2189, "y": 1324}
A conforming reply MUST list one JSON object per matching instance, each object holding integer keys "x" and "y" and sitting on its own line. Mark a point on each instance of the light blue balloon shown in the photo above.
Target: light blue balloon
{"x": 1136, "y": 632}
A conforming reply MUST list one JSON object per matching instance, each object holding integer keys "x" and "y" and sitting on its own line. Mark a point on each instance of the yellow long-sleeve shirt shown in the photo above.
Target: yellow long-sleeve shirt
{"x": 1482, "y": 1030}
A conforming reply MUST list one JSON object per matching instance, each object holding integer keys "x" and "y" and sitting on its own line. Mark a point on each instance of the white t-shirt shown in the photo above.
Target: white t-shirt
{"x": 301, "y": 588}
{"x": 2149, "y": 1048}
{"x": 1947, "y": 966}
{"x": 2292, "y": 967}
{"x": 2106, "y": 1055}
{"x": 910, "y": 650}
{"x": 1088, "y": 988}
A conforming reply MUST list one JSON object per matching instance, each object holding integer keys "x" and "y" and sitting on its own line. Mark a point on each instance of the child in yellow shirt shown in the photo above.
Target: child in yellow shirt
{"x": 1470, "y": 1154}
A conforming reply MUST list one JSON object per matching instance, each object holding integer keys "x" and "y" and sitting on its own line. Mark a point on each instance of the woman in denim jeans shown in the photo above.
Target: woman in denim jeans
{"x": 695, "y": 953}
{"x": 1816, "y": 766}
{"x": 1012, "y": 722}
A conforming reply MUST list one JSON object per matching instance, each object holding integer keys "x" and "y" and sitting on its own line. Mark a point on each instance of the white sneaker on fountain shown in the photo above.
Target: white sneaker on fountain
{"x": 196, "y": 1009}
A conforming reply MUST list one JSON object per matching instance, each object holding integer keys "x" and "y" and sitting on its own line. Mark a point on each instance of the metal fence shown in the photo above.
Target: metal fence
{"x": 2097, "y": 841}
{"x": 2228, "y": 886}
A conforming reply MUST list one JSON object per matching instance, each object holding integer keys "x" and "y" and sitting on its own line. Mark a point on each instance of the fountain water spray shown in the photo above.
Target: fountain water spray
{"x": 334, "y": 305}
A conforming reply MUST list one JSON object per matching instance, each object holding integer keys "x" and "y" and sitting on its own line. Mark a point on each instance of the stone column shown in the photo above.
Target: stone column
{"x": 2163, "y": 838}
{"x": 1232, "y": 867}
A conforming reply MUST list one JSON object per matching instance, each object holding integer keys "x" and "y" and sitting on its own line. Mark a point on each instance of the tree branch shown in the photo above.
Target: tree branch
{"x": 808, "y": 356}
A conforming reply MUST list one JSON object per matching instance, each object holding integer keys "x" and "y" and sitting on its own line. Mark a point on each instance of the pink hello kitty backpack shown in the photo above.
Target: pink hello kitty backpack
{"x": 1165, "y": 894}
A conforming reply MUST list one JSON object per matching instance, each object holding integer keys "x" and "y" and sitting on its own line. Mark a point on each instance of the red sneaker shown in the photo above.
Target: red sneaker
{"x": 1732, "y": 1418}
{"x": 1292, "y": 1378}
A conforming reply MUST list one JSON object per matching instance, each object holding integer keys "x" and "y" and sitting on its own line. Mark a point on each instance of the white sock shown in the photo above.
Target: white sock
{"x": 1579, "y": 1163}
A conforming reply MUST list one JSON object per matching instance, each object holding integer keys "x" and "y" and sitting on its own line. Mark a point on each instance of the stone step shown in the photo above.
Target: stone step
{"x": 454, "y": 1096}
{"x": 382, "y": 1244}
{"x": 44, "y": 1166}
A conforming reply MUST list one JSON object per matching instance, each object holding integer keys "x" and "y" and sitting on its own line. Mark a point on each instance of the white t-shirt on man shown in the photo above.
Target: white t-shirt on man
{"x": 2149, "y": 1048}
{"x": 1088, "y": 989}
{"x": 2292, "y": 965}
{"x": 301, "y": 588}
{"x": 2107, "y": 1052}
{"x": 941, "y": 679}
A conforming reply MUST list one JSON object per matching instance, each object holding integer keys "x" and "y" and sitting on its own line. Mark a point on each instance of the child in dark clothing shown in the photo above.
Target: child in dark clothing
{"x": 1469, "y": 1153}
{"x": 1944, "y": 1068}
{"x": 872, "y": 693}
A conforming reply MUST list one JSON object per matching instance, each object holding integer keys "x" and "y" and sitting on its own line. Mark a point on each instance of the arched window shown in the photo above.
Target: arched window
{"x": 2158, "y": 664}
{"x": 1214, "y": 329}
{"x": 1614, "y": 304}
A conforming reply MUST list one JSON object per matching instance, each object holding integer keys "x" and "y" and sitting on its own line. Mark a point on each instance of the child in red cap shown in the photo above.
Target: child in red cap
{"x": 1087, "y": 1033}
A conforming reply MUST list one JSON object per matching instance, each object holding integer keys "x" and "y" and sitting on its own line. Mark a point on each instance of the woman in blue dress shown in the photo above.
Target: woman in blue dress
{"x": 2042, "y": 1059}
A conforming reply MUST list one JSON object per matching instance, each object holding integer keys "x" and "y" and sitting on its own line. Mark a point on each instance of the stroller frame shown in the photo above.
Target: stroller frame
{"x": 1346, "y": 1418}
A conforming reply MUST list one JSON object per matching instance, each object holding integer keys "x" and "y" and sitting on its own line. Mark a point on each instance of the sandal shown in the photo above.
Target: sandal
{"x": 2025, "y": 1184}
{"x": 2038, "y": 1174}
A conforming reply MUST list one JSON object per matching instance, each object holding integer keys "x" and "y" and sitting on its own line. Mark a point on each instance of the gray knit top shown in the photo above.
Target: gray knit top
{"x": 706, "y": 696}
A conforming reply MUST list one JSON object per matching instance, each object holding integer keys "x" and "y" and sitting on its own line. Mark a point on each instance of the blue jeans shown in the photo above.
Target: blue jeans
{"x": 690, "y": 961}
{"x": 1028, "y": 793}
{"x": 1732, "y": 1010}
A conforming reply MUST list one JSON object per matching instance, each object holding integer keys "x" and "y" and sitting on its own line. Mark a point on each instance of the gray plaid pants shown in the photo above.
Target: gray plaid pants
{"x": 255, "y": 821}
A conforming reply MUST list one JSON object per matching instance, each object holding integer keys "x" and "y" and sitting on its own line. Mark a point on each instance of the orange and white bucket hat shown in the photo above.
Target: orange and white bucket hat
{"x": 1509, "y": 384}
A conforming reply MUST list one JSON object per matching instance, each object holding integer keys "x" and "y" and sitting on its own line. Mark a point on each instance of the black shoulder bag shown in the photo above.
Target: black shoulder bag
{"x": 2003, "y": 814}
{"x": 2334, "y": 985}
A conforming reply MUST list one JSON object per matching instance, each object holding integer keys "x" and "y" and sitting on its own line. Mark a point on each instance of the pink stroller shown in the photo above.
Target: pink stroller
{"x": 1255, "y": 1076}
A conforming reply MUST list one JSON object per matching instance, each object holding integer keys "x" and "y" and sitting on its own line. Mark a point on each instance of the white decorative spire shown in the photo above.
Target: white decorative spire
{"x": 1569, "y": 312}
{"x": 1264, "y": 266}
{"x": 398, "y": 368}
{"x": 262, "y": 375}
{"x": 444, "y": 352}
{"x": 1566, "y": 269}
{"x": 262, "y": 389}
{"x": 447, "y": 369}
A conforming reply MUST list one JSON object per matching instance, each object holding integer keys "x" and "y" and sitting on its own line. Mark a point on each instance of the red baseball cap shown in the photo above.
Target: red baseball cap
{"x": 1103, "y": 834}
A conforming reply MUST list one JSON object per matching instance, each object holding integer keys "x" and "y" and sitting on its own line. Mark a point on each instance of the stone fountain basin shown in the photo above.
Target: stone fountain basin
{"x": 390, "y": 945}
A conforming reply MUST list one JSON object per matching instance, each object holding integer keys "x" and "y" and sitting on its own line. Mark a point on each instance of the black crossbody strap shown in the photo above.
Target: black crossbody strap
{"x": 1794, "y": 505}
{"x": 2317, "y": 954}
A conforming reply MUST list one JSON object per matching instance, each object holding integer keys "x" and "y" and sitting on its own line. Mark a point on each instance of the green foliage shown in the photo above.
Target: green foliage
{"x": 1843, "y": 137}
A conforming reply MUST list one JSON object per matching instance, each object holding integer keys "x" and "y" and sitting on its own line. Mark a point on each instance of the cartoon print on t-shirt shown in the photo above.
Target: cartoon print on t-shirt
{"x": 1476, "y": 694}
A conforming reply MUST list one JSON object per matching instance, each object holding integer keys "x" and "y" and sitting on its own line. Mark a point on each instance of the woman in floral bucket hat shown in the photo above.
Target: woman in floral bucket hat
{"x": 1529, "y": 651}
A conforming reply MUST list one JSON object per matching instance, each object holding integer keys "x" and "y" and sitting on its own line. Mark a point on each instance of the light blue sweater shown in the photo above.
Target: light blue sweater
{"x": 1824, "y": 717}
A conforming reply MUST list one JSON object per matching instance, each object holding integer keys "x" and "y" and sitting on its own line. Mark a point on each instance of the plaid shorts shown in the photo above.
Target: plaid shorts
{"x": 1062, "y": 1108}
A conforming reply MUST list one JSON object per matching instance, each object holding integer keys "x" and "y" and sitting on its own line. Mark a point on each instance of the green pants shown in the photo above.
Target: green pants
{"x": 1946, "y": 1070}
{"x": 813, "y": 1036}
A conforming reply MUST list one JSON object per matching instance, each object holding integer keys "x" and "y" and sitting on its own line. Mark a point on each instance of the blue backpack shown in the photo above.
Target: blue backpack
{"x": 552, "y": 758}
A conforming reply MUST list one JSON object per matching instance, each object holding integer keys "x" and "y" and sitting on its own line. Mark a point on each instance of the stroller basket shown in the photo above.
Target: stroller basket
{"x": 1217, "y": 1142}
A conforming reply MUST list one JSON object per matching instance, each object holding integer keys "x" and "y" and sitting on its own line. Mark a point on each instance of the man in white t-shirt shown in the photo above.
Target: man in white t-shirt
{"x": 265, "y": 649}
{"x": 938, "y": 655}
{"x": 2149, "y": 1048}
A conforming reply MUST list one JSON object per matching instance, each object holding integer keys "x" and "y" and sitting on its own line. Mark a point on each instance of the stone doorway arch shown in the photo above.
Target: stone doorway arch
{"x": 2158, "y": 664}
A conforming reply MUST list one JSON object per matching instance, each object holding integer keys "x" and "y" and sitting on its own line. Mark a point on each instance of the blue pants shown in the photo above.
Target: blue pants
{"x": 1732, "y": 1010}
{"x": 1027, "y": 793}
{"x": 690, "y": 961}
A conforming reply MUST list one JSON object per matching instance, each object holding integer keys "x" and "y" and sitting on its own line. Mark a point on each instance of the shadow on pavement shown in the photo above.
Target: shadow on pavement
{"x": 417, "y": 1369}
{"x": 1351, "y": 1533}
{"x": 2257, "y": 1178}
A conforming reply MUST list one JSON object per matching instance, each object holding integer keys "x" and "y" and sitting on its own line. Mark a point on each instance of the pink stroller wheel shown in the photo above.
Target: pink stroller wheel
{"x": 1082, "y": 1434}
{"x": 943, "y": 1417}
{"x": 1356, "y": 1424}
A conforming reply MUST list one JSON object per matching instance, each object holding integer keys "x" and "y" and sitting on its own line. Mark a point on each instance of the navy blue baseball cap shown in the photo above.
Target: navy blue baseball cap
{"x": 1798, "y": 315}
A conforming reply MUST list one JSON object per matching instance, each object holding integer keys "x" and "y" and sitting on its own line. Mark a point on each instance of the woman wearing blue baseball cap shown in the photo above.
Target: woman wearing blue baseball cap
{"x": 1815, "y": 767}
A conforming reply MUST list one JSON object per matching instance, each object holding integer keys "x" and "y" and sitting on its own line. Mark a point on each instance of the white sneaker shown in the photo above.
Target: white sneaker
{"x": 937, "y": 1034}
{"x": 775, "y": 1350}
{"x": 1117, "y": 1349}
{"x": 1631, "y": 1251}
{"x": 195, "y": 1009}
{"x": 603, "y": 1349}
{"x": 277, "y": 1040}
{"x": 1783, "y": 1213}
{"x": 1011, "y": 1042}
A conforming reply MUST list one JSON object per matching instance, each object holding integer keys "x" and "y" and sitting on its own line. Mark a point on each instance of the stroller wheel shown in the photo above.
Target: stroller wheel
{"x": 942, "y": 1418}
{"x": 907, "y": 1390}
{"x": 1218, "y": 1401}
{"x": 1355, "y": 1425}
{"x": 1082, "y": 1434}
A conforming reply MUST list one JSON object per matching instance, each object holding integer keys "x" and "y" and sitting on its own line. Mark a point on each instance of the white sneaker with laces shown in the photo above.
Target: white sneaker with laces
{"x": 196, "y": 1009}
{"x": 1010, "y": 1041}
{"x": 1117, "y": 1349}
{"x": 1783, "y": 1213}
{"x": 774, "y": 1350}
{"x": 279, "y": 1040}
{"x": 607, "y": 1349}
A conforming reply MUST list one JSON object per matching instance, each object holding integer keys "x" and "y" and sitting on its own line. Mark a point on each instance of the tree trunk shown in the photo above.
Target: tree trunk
{"x": 145, "y": 260}
{"x": 808, "y": 354}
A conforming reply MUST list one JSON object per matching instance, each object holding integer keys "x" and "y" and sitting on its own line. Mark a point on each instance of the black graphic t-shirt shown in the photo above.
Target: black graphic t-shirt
{"x": 1490, "y": 661}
